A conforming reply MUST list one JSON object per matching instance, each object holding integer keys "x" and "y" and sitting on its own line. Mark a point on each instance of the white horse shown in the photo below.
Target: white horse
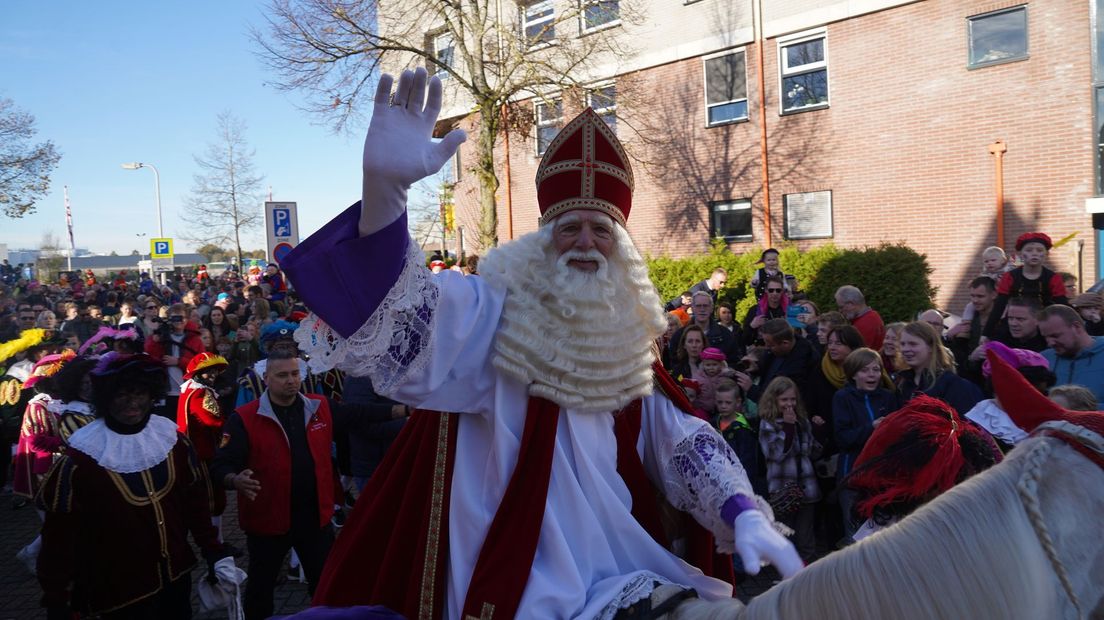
{"x": 1021, "y": 540}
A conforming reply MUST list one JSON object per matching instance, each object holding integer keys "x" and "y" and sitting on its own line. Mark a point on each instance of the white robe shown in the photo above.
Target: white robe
{"x": 592, "y": 557}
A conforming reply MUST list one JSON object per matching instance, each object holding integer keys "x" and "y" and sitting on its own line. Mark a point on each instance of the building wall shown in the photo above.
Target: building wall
{"x": 903, "y": 146}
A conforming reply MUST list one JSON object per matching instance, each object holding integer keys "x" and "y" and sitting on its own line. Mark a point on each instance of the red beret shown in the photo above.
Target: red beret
{"x": 1033, "y": 237}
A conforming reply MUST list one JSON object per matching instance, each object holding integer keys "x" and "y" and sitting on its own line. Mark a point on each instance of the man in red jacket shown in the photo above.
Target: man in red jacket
{"x": 275, "y": 452}
{"x": 175, "y": 348}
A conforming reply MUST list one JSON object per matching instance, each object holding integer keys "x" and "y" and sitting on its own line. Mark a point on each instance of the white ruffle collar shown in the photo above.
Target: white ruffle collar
{"x": 126, "y": 454}
{"x": 59, "y": 407}
{"x": 993, "y": 419}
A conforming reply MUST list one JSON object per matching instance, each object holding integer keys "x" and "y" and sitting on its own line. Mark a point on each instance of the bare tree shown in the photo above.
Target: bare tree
{"x": 50, "y": 257}
{"x": 24, "y": 167}
{"x": 334, "y": 50}
{"x": 226, "y": 195}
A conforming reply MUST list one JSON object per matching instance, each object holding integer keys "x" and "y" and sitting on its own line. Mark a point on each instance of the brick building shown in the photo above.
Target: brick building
{"x": 879, "y": 116}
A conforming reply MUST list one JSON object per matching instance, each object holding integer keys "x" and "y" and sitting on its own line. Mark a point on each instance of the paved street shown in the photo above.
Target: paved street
{"x": 19, "y": 591}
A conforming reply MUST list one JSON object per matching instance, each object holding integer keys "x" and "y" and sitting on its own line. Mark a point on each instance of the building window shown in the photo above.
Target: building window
{"x": 730, "y": 220}
{"x": 443, "y": 50}
{"x": 808, "y": 215}
{"x": 537, "y": 22}
{"x": 1000, "y": 36}
{"x": 804, "y": 64}
{"x": 598, "y": 13}
{"x": 549, "y": 121}
{"x": 725, "y": 88}
{"x": 603, "y": 100}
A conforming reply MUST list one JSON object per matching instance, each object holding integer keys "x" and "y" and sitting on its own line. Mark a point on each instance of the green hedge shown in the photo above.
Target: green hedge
{"x": 894, "y": 278}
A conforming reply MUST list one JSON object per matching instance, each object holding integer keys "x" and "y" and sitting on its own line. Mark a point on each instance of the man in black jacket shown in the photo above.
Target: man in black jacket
{"x": 787, "y": 356}
{"x": 715, "y": 335}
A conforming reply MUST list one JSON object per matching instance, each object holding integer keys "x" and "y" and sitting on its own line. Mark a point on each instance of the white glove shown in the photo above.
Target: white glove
{"x": 757, "y": 542}
{"x": 399, "y": 149}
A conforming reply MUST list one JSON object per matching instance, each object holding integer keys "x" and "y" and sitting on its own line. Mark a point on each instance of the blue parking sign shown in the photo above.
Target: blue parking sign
{"x": 161, "y": 247}
{"x": 281, "y": 222}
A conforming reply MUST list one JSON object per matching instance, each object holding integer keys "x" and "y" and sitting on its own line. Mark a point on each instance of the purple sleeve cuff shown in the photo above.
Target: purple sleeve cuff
{"x": 735, "y": 505}
{"x": 343, "y": 277}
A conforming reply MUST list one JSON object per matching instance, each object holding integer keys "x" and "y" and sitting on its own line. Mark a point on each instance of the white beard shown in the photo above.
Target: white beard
{"x": 583, "y": 340}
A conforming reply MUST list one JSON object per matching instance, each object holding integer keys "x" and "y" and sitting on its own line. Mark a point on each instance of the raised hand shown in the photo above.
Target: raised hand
{"x": 399, "y": 149}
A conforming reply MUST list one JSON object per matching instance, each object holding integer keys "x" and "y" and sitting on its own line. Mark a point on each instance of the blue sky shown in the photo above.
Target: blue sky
{"x": 112, "y": 82}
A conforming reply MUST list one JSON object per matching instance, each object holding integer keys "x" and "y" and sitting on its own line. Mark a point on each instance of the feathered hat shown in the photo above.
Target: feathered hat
{"x": 47, "y": 367}
{"x": 117, "y": 370}
{"x": 107, "y": 335}
{"x": 917, "y": 453}
{"x": 27, "y": 338}
{"x": 205, "y": 361}
{"x": 585, "y": 167}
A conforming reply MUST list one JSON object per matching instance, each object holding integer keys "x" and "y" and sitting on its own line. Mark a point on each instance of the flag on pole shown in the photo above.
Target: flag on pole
{"x": 69, "y": 221}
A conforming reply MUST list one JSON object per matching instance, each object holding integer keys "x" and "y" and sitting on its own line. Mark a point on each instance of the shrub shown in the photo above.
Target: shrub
{"x": 894, "y": 278}
{"x": 672, "y": 276}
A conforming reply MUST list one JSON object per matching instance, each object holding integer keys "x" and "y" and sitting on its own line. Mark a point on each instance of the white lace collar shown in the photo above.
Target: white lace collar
{"x": 993, "y": 419}
{"x": 126, "y": 454}
{"x": 59, "y": 407}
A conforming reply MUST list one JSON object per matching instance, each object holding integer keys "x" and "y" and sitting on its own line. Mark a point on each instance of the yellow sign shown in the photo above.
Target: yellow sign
{"x": 161, "y": 248}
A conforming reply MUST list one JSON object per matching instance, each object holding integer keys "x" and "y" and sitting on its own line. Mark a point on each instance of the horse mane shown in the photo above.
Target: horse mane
{"x": 970, "y": 553}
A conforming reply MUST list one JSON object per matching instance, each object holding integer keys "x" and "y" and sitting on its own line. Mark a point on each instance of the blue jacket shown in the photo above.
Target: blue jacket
{"x": 1085, "y": 369}
{"x": 853, "y": 415}
{"x": 949, "y": 387}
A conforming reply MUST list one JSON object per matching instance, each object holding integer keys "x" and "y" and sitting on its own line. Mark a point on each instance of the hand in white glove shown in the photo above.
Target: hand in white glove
{"x": 398, "y": 149}
{"x": 757, "y": 542}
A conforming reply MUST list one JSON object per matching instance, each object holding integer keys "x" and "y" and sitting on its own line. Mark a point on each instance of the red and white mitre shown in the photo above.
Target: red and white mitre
{"x": 585, "y": 167}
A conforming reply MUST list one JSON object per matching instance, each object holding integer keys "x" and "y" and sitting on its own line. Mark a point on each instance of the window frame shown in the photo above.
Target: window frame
{"x": 786, "y": 216}
{"x": 785, "y": 71}
{"x": 1000, "y": 61}
{"x": 432, "y": 67}
{"x": 538, "y": 124}
{"x": 603, "y": 112}
{"x": 705, "y": 89}
{"x": 527, "y": 43}
{"x": 584, "y": 29}
{"x": 741, "y": 204}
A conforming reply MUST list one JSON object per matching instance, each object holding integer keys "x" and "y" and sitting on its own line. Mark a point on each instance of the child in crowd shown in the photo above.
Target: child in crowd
{"x": 786, "y": 439}
{"x": 1031, "y": 280}
{"x": 994, "y": 264}
{"x": 730, "y": 419}
{"x": 857, "y": 409}
{"x": 692, "y": 389}
{"x": 709, "y": 374}
{"x": 1089, "y": 306}
{"x": 1074, "y": 397}
{"x": 769, "y": 260}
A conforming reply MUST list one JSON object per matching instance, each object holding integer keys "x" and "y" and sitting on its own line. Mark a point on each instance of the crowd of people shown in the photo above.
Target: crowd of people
{"x": 794, "y": 390}
{"x": 797, "y": 390}
{"x": 126, "y": 423}
{"x": 577, "y": 448}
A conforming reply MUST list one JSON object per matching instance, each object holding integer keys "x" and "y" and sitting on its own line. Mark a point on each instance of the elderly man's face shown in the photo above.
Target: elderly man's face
{"x": 583, "y": 231}
{"x": 703, "y": 308}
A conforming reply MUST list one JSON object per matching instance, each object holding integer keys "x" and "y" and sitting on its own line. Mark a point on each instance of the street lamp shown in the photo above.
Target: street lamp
{"x": 157, "y": 186}
{"x": 141, "y": 254}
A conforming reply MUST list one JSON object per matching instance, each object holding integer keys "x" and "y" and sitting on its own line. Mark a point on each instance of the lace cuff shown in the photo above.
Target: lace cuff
{"x": 394, "y": 341}
{"x": 700, "y": 474}
{"x": 635, "y": 590}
